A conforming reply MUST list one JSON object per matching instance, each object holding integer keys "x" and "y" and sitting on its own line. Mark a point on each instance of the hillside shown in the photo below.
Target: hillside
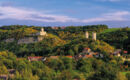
{"x": 64, "y": 53}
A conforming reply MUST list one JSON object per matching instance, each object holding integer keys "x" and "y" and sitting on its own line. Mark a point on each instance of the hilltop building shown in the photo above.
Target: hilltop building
{"x": 94, "y": 35}
{"x": 87, "y": 35}
{"x": 31, "y": 39}
{"x": 41, "y": 33}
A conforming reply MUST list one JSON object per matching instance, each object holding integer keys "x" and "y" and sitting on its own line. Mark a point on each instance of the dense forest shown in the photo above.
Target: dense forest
{"x": 62, "y": 42}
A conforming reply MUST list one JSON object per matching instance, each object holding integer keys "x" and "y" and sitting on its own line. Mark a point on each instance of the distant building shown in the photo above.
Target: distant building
{"x": 94, "y": 36}
{"x": 87, "y": 35}
{"x": 41, "y": 33}
{"x": 35, "y": 58}
{"x": 3, "y": 77}
{"x": 63, "y": 27}
{"x": 69, "y": 56}
{"x": 117, "y": 52}
{"x": 86, "y": 50}
{"x": 11, "y": 73}
{"x": 88, "y": 56}
{"x": 55, "y": 28}
{"x": 32, "y": 39}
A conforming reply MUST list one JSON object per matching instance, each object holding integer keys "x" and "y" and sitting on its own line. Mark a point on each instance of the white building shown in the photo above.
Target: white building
{"x": 94, "y": 36}
{"x": 87, "y": 35}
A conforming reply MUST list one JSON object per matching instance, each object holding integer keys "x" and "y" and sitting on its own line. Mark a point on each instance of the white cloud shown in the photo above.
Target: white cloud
{"x": 25, "y": 14}
{"x": 116, "y": 16}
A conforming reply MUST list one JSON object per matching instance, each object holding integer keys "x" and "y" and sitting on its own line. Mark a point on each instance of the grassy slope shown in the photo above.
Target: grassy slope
{"x": 111, "y": 30}
{"x": 125, "y": 72}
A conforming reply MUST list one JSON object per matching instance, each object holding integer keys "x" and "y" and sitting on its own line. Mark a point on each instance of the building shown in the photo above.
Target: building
{"x": 94, "y": 36}
{"x": 42, "y": 33}
{"x": 86, "y": 50}
{"x": 117, "y": 52}
{"x": 87, "y": 35}
{"x": 3, "y": 77}
{"x": 30, "y": 39}
{"x": 35, "y": 58}
{"x": 69, "y": 56}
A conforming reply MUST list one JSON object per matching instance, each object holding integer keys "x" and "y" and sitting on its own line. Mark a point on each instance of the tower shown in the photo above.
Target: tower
{"x": 87, "y": 35}
{"x": 94, "y": 35}
{"x": 42, "y": 32}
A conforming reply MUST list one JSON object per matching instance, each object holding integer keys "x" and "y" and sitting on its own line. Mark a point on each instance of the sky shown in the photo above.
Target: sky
{"x": 114, "y": 13}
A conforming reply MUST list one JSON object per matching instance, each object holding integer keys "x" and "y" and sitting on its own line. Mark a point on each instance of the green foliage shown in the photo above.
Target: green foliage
{"x": 115, "y": 38}
{"x": 107, "y": 72}
{"x": 128, "y": 76}
{"x": 61, "y": 42}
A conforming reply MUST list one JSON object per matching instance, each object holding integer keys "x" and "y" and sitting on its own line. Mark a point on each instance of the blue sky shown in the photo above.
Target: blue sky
{"x": 115, "y": 13}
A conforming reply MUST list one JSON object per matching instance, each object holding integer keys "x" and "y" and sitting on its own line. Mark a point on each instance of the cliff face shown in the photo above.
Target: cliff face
{"x": 26, "y": 40}
{"x": 32, "y": 38}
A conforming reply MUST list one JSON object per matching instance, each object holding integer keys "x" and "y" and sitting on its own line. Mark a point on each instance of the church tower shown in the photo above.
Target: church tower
{"x": 86, "y": 35}
{"x": 42, "y": 32}
{"x": 94, "y": 36}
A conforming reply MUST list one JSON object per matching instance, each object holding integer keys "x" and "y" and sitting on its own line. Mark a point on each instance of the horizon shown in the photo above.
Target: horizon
{"x": 114, "y": 13}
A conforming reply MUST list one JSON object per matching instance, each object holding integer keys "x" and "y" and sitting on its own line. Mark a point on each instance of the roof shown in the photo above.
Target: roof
{"x": 86, "y": 48}
{"x": 4, "y": 77}
{"x": 35, "y": 57}
{"x": 69, "y": 56}
{"x": 88, "y": 56}
{"x": 54, "y": 57}
{"x": 125, "y": 52}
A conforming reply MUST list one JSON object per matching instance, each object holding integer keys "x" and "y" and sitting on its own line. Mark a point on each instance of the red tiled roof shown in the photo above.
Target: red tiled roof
{"x": 89, "y": 56}
{"x": 69, "y": 56}
{"x": 36, "y": 58}
{"x": 125, "y": 52}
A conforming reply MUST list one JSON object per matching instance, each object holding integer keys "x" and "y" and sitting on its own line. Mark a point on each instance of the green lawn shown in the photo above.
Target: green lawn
{"x": 125, "y": 72}
{"x": 110, "y": 30}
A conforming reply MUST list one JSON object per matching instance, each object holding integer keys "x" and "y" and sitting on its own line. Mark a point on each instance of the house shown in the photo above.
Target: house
{"x": 117, "y": 52}
{"x": 55, "y": 28}
{"x": 35, "y": 58}
{"x": 3, "y": 77}
{"x": 69, "y": 56}
{"x": 88, "y": 56}
{"x": 86, "y": 50}
{"x": 125, "y": 52}
{"x": 63, "y": 27}
{"x": 11, "y": 72}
